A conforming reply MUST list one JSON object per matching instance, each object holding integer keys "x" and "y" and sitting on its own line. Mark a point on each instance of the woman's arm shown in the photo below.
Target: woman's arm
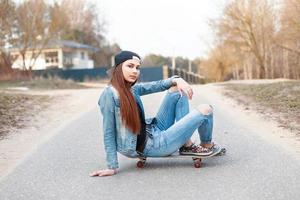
{"x": 157, "y": 86}
{"x": 106, "y": 103}
{"x": 154, "y": 86}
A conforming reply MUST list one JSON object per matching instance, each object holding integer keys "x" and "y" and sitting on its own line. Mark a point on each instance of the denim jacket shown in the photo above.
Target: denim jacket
{"x": 117, "y": 138}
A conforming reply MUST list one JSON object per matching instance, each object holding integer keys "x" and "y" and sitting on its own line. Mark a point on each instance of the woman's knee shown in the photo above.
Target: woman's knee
{"x": 205, "y": 109}
{"x": 174, "y": 93}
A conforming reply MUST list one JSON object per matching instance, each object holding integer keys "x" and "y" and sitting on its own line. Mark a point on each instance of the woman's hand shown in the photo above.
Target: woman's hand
{"x": 183, "y": 86}
{"x": 104, "y": 172}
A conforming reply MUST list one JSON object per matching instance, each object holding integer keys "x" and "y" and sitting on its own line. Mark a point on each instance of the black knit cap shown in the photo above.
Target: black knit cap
{"x": 122, "y": 56}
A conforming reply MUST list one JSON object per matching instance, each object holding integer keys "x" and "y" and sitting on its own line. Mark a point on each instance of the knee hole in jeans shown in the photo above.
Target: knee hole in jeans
{"x": 205, "y": 109}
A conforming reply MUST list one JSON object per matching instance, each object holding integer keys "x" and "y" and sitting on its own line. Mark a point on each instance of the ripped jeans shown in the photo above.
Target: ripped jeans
{"x": 174, "y": 125}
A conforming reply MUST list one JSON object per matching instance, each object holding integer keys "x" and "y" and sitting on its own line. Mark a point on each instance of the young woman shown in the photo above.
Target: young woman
{"x": 125, "y": 128}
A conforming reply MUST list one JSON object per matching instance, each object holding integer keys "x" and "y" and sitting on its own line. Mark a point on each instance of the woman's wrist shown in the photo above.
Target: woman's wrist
{"x": 174, "y": 83}
{"x": 174, "y": 80}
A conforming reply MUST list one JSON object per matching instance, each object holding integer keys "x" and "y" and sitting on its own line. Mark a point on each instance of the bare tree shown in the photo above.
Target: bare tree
{"x": 222, "y": 61}
{"x": 33, "y": 30}
{"x": 249, "y": 24}
{"x": 83, "y": 20}
{"x": 288, "y": 38}
{"x": 84, "y": 25}
{"x": 7, "y": 29}
{"x": 29, "y": 26}
{"x": 265, "y": 40}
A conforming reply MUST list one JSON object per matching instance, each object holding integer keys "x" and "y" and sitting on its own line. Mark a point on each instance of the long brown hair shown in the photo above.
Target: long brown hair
{"x": 129, "y": 110}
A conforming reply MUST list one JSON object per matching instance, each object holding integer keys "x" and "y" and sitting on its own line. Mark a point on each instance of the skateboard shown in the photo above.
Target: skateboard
{"x": 196, "y": 159}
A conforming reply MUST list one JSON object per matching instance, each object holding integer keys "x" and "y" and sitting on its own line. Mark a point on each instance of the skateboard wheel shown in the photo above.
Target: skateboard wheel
{"x": 223, "y": 151}
{"x": 197, "y": 164}
{"x": 140, "y": 164}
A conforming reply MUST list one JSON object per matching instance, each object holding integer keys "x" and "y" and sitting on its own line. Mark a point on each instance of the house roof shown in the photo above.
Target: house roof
{"x": 63, "y": 44}
{"x": 70, "y": 44}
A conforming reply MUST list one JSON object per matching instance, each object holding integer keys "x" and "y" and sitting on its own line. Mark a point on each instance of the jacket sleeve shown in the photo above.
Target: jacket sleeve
{"x": 154, "y": 86}
{"x": 107, "y": 107}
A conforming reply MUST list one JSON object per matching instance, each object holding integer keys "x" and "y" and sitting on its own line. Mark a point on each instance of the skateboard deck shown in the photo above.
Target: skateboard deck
{"x": 197, "y": 159}
{"x": 215, "y": 153}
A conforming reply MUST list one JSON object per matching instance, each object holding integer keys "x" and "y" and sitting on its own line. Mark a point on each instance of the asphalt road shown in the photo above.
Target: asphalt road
{"x": 253, "y": 168}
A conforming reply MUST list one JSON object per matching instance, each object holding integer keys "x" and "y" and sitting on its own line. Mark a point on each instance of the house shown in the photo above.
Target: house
{"x": 62, "y": 54}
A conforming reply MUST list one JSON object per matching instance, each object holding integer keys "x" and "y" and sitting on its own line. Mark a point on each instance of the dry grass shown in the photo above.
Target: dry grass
{"x": 280, "y": 101}
{"x": 16, "y": 110}
{"x": 43, "y": 83}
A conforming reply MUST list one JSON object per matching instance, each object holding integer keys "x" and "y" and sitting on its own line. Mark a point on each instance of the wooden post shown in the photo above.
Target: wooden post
{"x": 60, "y": 58}
{"x": 173, "y": 63}
{"x": 190, "y": 65}
{"x": 165, "y": 71}
{"x": 112, "y": 60}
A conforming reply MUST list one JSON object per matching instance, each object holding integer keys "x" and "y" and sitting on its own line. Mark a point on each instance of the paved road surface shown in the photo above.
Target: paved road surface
{"x": 254, "y": 168}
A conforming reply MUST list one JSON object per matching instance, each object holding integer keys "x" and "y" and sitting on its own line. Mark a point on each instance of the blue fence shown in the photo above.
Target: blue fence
{"x": 147, "y": 73}
{"x": 74, "y": 74}
{"x": 151, "y": 73}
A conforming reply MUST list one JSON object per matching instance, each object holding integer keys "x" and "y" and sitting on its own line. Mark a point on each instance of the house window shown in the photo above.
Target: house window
{"x": 51, "y": 57}
{"x": 82, "y": 55}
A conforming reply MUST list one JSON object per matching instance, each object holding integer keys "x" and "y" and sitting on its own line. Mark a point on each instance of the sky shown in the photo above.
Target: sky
{"x": 165, "y": 27}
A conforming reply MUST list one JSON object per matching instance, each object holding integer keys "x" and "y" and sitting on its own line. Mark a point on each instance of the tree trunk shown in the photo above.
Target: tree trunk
{"x": 262, "y": 71}
{"x": 233, "y": 73}
{"x": 286, "y": 71}
{"x": 297, "y": 68}
{"x": 245, "y": 70}
{"x": 272, "y": 63}
{"x": 237, "y": 73}
{"x": 6, "y": 71}
{"x": 5, "y": 64}
{"x": 267, "y": 63}
{"x": 221, "y": 67}
{"x": 256, "y": 69}
{"x": 250, "y": 68}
